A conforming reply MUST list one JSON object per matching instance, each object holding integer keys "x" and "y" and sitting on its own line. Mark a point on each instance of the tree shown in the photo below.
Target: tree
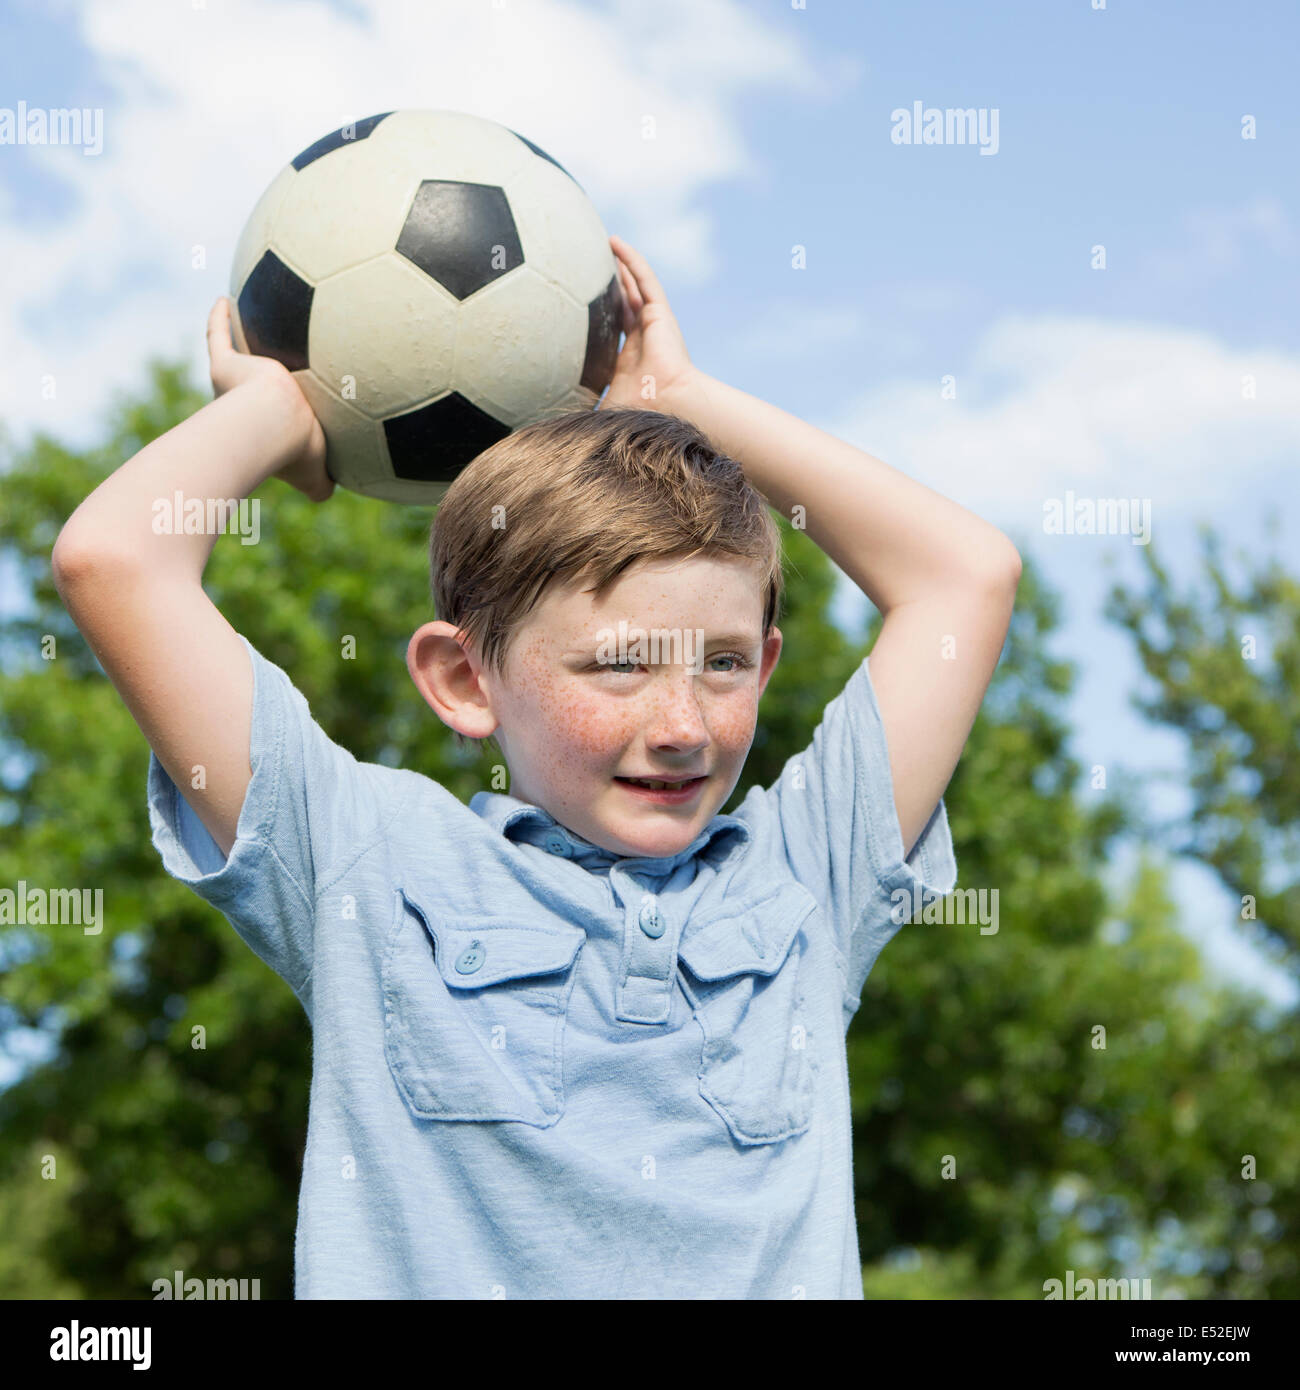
{"x": 1119, "y": 1154}
{"x": 1226, "y": 671}
{"x": 1223, "y": 660}
{"x": 981, "y": 1046}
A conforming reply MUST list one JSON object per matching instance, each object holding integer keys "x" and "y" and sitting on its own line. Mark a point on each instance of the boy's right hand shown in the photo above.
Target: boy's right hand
{"x": 230, "y": 368}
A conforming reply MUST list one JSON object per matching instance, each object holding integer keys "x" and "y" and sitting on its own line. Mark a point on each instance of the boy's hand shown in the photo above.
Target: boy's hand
{"x": 230, "y": 368}
{"x": 654, "y": 356}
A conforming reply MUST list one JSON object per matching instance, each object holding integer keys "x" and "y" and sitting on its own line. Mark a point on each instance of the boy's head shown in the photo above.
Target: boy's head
{"x": 607, "y": 585}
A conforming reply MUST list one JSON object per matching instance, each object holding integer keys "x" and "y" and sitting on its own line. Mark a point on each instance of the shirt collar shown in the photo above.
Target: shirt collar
{"x": 522, "y": 821}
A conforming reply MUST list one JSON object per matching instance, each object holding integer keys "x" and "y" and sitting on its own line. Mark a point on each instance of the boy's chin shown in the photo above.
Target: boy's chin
{"x": 647, "y": 841}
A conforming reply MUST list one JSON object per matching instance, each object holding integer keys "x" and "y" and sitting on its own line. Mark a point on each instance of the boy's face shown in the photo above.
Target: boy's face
{"x": 573, "y": 720}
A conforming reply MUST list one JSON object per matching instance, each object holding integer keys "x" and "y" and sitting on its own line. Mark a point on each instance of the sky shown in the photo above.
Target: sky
{"x": 943, "y": 306}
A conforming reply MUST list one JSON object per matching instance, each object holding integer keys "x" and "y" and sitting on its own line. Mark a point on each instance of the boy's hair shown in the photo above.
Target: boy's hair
{"x": 587, "y": 494}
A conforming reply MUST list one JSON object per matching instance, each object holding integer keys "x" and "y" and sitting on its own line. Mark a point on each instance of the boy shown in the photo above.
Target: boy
{"x": 585, "y": 1039}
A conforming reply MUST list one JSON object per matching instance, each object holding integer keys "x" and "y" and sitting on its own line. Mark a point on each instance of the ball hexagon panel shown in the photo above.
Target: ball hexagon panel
{"x": 451, "y": 145}
{"x": 533, "y": 325}
{"x": 346, "y": 428}
{"x": 541, "y": 153}
{"x": 408, "y": 494}
{"x": 411, "y": 494}
{"x": 274, "y": 311}
{"x": 562, "y": 236}
{"x": 390, "y": 328}
{"x": 579, "y": 398}
{"x": 256, "y": 236}
{"x": 460, "y": 234}
{"x": 344, "y": 208}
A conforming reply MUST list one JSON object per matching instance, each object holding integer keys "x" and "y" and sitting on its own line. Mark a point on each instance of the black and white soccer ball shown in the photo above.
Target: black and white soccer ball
{"x": 433, "y": 281}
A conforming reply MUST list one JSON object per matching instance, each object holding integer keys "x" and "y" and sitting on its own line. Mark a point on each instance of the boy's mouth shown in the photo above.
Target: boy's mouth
{"x": 661, "y": 790}
{"x": 660, "y": 783}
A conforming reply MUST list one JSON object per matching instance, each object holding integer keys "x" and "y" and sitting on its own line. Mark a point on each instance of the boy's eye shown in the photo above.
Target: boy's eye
{"x": 622, "y": 668}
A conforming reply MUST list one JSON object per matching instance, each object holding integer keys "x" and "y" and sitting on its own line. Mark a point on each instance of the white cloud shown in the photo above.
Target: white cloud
{"x": 210, "y": 103}
{"x": 1104, "y": 408}
{"x": 1216, "y": 240}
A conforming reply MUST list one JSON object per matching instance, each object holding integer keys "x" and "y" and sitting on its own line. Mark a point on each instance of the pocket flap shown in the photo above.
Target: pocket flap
{"x": 751, "y": 936}
{"x": 478, "y": 951}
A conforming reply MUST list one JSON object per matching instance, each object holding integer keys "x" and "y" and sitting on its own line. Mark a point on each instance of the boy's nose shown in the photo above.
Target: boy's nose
{"x": 675, "y": 719}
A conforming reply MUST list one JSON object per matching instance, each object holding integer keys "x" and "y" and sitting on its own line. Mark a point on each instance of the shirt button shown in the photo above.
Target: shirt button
{"x": 471, "y": 958}
{"x": 556, "y": 843}
{"x": 651, "y": 922}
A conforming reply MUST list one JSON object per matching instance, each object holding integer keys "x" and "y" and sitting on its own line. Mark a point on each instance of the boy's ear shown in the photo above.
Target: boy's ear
{"x": 447, "y": 678}
{"x": 772, "y": 644}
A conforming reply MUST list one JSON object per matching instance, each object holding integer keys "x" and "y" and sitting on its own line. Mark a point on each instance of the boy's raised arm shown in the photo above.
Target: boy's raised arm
{"x": 137, "y": 596}
{"x": 943, "y": 579}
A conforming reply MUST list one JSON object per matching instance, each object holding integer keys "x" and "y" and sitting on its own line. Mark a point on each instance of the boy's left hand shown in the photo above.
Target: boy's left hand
{"x": 654, "y": 365}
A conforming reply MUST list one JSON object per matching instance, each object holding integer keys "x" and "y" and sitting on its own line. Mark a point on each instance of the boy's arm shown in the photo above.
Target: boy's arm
{"x": 943, "y": 579}
{"x": 137, "y": 596}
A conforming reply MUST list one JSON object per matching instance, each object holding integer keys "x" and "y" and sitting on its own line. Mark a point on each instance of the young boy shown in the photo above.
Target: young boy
{"x": 585, "y": 1040}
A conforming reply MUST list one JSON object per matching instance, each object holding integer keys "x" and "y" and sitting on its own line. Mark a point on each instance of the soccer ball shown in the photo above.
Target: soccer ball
{"x": 433, "y": 281}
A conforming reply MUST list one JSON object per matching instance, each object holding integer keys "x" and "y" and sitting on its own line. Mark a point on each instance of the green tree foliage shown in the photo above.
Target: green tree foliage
{"x": 1223, "y": 662}
{"x": 170, "y": 1156}
{"x": 178, "y": 1157}
{"x": 997, "y": 1142}
{"x": 1225, "y": 666}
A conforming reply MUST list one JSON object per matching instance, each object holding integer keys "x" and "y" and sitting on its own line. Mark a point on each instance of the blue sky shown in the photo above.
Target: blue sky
{"x": 1119, "y": 127}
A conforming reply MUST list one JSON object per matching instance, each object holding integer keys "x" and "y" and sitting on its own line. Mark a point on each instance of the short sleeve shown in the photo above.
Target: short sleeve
{"x": 833, "y": 808}
{"x": 308, "y": 803}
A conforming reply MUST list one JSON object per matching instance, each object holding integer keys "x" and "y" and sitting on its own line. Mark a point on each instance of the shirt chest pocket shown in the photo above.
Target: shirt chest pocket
{"x": 474, "y": 1012}
{"x": 757, "y": 1063}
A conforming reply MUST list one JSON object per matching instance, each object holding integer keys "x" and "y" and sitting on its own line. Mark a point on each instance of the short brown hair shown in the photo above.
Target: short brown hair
{"x": 588, "y": 493}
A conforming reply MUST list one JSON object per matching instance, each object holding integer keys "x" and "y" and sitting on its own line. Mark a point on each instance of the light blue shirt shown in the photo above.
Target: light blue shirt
{"x": 543, "y": 1070}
